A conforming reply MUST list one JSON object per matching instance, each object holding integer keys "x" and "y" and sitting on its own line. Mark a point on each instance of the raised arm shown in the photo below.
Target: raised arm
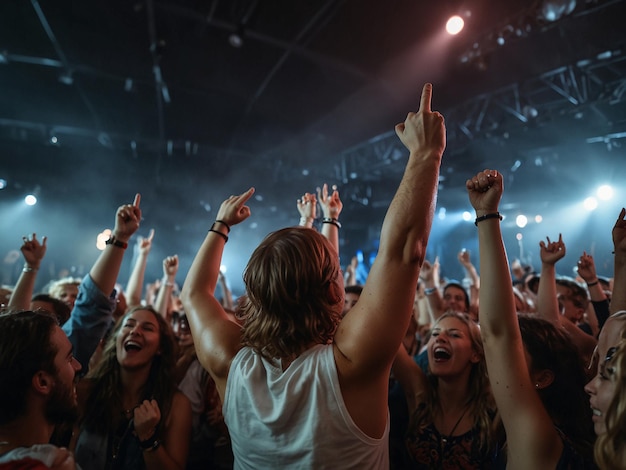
{"x": 307, "y": 207}
{"x": 369, "y": 336}
{"x": 217, "y": 339}
{"x": 134, "y": 287}
{"x": 105, "y": 270}
{"x": 33, "y": 253}
{"x": 547, "y": 299}
{"x": 92, "y": 314}
{"x": 429, "y": 274}
{"x": 618, "y": 298}
{"x": 532, "y": 439}
{"x": 470, "y": 270}
{"x": 162, "y": 304}
{"x": 599, "y": 302}
{"x": 331, "y": 208}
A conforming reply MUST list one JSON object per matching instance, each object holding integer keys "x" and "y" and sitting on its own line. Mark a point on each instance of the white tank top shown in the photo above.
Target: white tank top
{"x": 295, "y": 419}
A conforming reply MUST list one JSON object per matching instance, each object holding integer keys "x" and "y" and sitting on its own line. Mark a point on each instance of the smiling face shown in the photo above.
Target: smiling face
{"x": 137, "y": 341}
{"x": 454, "y": 298}
{"x": 450, "y": 349}
{"x": 601, "y": 390}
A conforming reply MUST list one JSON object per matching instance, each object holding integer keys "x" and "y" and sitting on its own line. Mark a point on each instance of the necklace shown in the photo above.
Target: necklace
{"x": 444, "y": 439}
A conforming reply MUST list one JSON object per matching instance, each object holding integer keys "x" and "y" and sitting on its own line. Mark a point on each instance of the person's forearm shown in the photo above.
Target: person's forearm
{"x": 330, "y": 230}
{"x": 105, "y": 270}
{"x": 135, "y": 282}
{"x": 162, "y": 302}
{"x": 618, "y": 297}
{"x": 497, "y": 303}
{"x": 547, "y": 301}
{"x": 204, "y": 271}
{"x": 24, "y": 288}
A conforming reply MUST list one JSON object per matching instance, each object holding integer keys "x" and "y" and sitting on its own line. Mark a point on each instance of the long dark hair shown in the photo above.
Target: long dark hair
{"x": 565, "y": 399}
{"x": 104, "y": 402}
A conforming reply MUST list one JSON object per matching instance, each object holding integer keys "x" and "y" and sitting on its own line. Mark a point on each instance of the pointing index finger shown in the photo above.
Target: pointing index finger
{"x": 427, "y": 93}
{"x": 137, "y": 200}
{"x": 245, "y": 196}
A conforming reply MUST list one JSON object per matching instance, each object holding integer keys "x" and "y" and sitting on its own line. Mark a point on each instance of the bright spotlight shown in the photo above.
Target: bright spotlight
{"x": 519, "y": 237}
{"x": 590, "y": 203}
{"x": 538, "y": 219}
{"x": 30, "y": 200}
{"x": 605, "y": 192}
{"x": 3, "y": 183}
{"x": 442, "y": 213}
{"x": 455, "y": 25}
{"x": 521, "y": 221}
{"x": 467, "y": 216}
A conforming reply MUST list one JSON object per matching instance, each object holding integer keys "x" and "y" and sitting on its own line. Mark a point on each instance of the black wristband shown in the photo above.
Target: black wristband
{"x": 151, "y": 444}
{"x": 224, "y": 236}
{"x": 590, "y": 284}
{"x": 333, "y": 221}
{"x": 223, "y": 223}
{"x": 115, "y": 242}
{"x": 491, "y": 215}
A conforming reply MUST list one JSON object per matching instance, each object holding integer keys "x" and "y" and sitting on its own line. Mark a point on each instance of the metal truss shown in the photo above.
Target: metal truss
{"x": 568, "y": 90}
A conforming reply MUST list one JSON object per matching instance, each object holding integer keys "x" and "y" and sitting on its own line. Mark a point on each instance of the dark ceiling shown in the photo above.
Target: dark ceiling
{"x": 151, "y": 97}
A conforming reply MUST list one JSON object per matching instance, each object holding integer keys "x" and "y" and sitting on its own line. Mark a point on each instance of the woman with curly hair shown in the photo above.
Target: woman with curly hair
{"x": 300, "y": 389}
{"x": 132, "y": 414}
{"x": 451, "y": 408}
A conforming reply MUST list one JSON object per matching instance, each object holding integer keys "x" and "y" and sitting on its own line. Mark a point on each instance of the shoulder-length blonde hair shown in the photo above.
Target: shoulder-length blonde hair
{"x": 294, "y": 297}
{"x": 610, "y": 447}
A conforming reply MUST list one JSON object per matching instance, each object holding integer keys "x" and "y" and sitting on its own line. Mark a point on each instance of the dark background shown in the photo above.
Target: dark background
{"x": 151, "y": 97}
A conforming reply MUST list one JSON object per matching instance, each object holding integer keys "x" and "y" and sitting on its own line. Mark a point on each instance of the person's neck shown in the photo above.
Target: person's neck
{"x": 453, "y": 393}
{"x": 133, "y": 385}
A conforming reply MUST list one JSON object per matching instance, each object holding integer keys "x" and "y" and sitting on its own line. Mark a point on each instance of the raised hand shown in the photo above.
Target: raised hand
{"x": 464, "y": 258}
{"x": 430, "y": 271}
{"x": 587, "y": 268}
{"x": 127, "y": 220}
{"x": 170, "y": 266}
{"x": 307, "y": 207}
{"x": 485, "y": 190}
{"x": 33, "y": 251}
{"x": 146, "y": 417}
{"x": 145, "y": 244}
{"x": 619, "y": 232}
{"x": 423, "y": 132}
{"x": 233, "y": 210}
{"x": 331, "y": 204}
{"x": 551, "y": 252}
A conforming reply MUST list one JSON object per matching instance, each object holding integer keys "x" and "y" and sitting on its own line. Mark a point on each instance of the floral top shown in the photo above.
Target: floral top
{"x": 428, "y": 449}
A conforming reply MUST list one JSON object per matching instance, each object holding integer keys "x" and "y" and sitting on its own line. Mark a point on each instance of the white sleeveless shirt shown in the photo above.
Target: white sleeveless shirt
{"x": 295, "y": 419}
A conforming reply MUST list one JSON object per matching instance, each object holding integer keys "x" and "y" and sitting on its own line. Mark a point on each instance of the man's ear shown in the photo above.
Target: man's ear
{"x": 42, "y": 382}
